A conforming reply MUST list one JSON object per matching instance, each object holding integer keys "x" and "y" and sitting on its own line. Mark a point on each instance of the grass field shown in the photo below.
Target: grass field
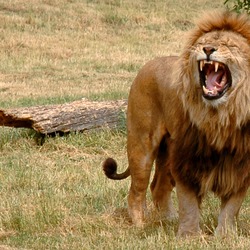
{"x": 55, "y": 196}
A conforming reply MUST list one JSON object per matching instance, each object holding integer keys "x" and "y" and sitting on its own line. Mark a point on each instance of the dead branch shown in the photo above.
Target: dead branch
{"x": 75, "y": 116}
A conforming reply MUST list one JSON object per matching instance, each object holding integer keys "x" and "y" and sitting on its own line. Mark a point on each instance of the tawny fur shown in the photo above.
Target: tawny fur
{"x": 236, "y": 111}
{"x": 225, "y": 126}
{"x": 197, "y": 143}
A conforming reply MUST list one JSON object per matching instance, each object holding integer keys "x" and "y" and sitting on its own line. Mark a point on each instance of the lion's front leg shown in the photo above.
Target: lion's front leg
{"x": 229, "y": 212}
{"x": 188, "y": 211}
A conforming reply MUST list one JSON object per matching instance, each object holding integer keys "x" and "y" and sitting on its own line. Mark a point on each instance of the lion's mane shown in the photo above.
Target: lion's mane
{"x": 215, "y": 140}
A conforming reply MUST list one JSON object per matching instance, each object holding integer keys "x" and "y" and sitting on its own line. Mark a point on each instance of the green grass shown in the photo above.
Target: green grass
{"x": 54, "y": 195}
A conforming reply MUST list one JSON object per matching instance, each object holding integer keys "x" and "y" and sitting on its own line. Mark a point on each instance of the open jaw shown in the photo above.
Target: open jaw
{"x": 215, "y": 79}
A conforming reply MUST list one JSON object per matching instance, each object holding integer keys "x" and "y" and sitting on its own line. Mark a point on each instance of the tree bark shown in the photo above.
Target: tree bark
{"x": 75, "y": 116}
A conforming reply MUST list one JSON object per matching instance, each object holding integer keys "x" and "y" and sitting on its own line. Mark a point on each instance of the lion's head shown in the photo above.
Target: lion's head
{"x": 213, "y": 75}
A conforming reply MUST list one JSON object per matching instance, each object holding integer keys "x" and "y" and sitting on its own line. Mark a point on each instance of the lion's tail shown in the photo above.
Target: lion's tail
{"x": 110, "y": 169}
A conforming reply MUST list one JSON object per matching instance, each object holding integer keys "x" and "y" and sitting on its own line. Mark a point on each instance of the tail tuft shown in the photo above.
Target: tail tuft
{"x": 109, "y": 167}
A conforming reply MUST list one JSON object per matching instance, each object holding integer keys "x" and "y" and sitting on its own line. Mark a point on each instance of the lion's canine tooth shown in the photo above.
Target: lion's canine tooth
{"x": 216, "y": 66}
{"x": 201, "y": 65}
{"x": 206, "y": 91}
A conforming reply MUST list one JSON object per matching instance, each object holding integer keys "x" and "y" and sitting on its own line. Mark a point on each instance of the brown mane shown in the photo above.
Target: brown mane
{"x": 217, "y": 20}
{"x": 235, "y": 113}
{"x": 217, "y": 136}
{"x": 222, "y": 171}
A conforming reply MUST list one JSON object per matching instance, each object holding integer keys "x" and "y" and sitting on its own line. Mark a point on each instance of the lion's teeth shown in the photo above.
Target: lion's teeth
{"x": 208, "y": 62}
{"x": 201, "y": 65}
{"x": 206, "y": 91}
{"x": 216, "y": 66}
{"x": 214, "y": 91}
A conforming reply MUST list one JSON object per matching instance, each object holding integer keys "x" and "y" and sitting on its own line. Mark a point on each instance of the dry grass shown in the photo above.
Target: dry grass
{"x": 55, "y": 196}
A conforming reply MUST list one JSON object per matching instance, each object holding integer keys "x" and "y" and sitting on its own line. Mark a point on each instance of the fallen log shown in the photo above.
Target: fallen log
{"x": 75, "y": 116}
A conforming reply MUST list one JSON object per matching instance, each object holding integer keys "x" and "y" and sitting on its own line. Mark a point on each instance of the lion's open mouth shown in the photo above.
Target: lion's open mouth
{"x": 215, "y": 78}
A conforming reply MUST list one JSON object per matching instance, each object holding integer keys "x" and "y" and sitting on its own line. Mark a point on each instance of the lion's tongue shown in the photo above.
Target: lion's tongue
{"x": 214, "y": 79}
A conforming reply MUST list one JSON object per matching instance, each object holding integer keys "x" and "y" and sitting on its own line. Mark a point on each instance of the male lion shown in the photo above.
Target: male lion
{"x": 192, "y": 116}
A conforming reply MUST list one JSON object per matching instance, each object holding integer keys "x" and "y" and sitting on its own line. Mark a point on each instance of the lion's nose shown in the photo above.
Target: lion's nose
{"x": 208, "y": 50}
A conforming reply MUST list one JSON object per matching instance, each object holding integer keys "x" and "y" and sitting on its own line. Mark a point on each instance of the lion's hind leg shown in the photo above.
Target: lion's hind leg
{"x": 140, "y": 174}
{"x": 142, "y": 151}
{"x": 163, "y": 182}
